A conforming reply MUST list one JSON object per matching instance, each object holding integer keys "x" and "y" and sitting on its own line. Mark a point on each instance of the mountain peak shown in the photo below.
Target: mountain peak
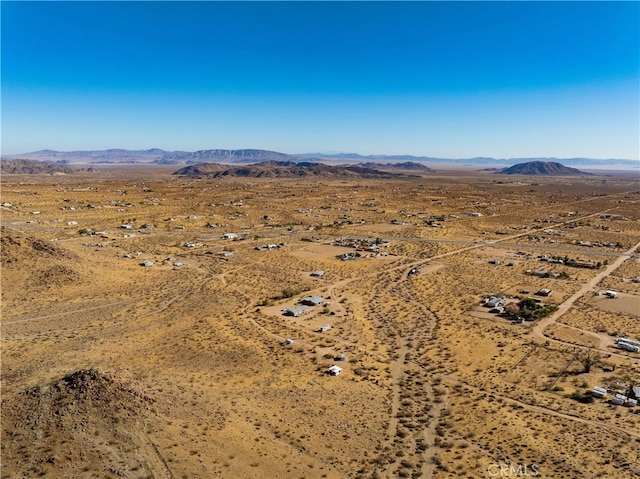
{"x": 542, "y": 168}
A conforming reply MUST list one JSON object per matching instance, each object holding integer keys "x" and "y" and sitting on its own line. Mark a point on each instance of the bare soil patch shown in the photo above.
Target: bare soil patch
{"x": 321, "y": 251}
{"x": 626, "y": 303}
{"x": 113, "y": 369}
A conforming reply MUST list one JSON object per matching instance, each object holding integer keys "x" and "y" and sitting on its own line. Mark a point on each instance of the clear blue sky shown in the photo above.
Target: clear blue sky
{"x": 445, "y": 79}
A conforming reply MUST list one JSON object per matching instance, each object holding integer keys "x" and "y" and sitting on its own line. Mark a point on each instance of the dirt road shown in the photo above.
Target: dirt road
{"x": 542, "y": 325}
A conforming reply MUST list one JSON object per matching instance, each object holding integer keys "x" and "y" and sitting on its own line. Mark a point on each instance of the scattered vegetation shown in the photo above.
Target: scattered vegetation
{"x": 531, "y": 310}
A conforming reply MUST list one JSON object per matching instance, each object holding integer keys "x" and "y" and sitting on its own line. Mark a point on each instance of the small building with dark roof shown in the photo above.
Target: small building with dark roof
{"x": 296, "y": 311}
{"x": 312, "y": 300}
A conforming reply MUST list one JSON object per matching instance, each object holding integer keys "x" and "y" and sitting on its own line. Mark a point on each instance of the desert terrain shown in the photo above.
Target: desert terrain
{"x": 188, "y": 367}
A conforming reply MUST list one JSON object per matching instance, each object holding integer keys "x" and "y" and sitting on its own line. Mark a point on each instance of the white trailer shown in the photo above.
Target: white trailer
{"x": 628, "y": 347}
{"x": 628, "y": 341}
{"x": 618, "y": 400}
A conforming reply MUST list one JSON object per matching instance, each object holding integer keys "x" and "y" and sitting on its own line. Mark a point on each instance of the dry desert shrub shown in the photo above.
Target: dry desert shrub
{"x": 423, "y": 378}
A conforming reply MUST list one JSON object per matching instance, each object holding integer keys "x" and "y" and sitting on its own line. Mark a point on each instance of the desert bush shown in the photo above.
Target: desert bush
{"x": 585, "y": 398}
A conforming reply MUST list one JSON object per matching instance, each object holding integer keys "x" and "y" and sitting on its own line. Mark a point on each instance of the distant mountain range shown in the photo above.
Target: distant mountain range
{"x": 480, "y": 160}
{"x": 291, "y": 169}
{"x": 544, "y": 168}
{"x": 295, "y": 169}
{"x": 245, "y": 156}
{"x": 283, "y": 169}
{"x": 224, "y": 156}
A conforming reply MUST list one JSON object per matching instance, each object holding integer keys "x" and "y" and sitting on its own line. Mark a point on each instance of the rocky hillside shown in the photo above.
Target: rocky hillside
{"x": 88, "y": 423}
{"x": 544, "y": 168}
{"x": 284, "y": 169}
{"x": 201, "y": 169}
{"x": 39, "y": 263}
{"x": 21, "y": 250}
{"x": 32, "y": 167}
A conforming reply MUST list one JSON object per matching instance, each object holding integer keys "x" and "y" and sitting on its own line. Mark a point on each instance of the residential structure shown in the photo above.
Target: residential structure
{"x": 312, "y": 300}
{"x": 297, "y": 311}
{"x": 494, "y": 302}
{"x": 543, "y": 292}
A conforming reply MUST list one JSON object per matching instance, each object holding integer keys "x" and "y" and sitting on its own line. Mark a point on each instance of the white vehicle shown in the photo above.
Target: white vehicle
{"x": 628, "y": 341}
{"x": 629, "y": 347}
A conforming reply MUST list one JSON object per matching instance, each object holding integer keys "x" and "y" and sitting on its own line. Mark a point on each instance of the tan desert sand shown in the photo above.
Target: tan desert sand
{"x": 188, "y": 367}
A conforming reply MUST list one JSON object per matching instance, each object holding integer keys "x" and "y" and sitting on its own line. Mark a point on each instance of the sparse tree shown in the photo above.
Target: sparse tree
{"x": 589, "y": 359}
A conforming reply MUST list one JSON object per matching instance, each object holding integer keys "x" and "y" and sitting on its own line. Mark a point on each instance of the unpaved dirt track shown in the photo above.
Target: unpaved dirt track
{"x": 539, "y": 328}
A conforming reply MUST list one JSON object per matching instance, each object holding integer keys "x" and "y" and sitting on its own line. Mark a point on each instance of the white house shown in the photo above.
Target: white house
{"x": 598, "y": 392}
{"x": 334, "y": 370}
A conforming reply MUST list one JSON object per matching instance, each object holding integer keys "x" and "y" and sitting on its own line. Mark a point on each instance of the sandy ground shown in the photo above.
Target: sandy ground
{"x": 112, "y": 369}
{"x": 624, "y": 303}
